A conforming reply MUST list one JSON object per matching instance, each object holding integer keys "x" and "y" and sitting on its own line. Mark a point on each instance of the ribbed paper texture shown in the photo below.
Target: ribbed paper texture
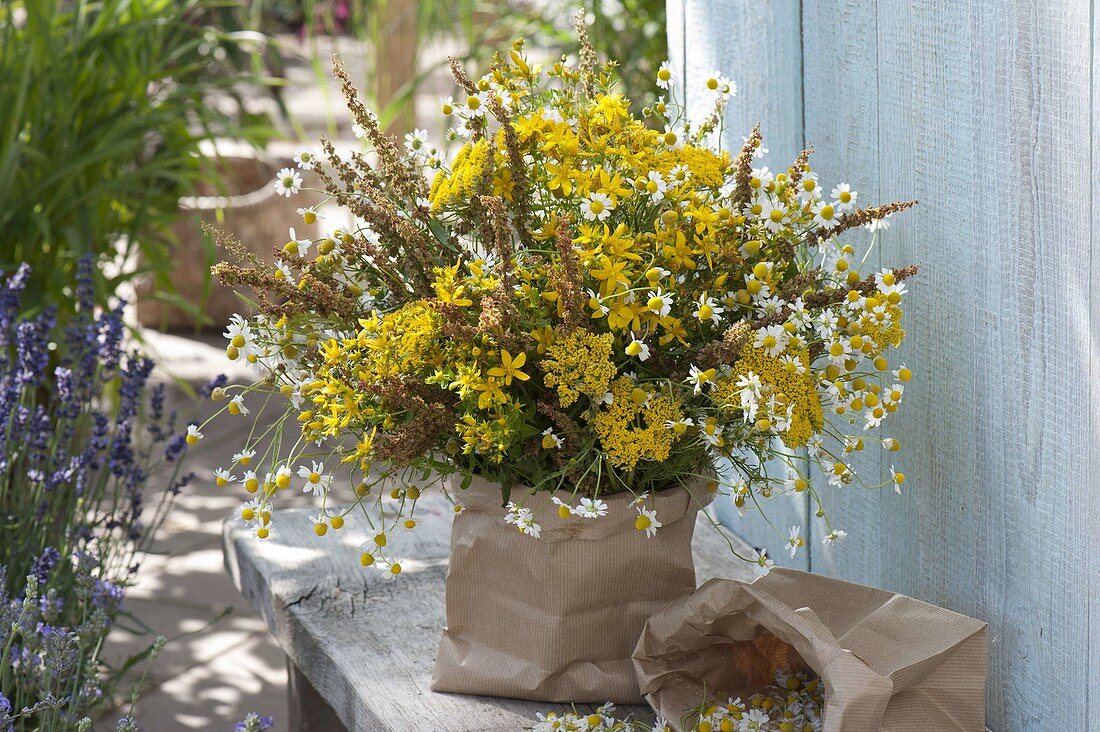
{"x": 888, "y": 662}
{"x": 556, "y": 618}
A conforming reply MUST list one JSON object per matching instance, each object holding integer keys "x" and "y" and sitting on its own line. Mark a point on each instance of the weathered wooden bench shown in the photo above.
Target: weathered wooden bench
{"x": 360, "y": 644}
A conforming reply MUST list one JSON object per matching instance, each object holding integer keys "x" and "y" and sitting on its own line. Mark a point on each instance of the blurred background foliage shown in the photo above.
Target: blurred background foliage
{"x": 104, "y": 108}
{"x": 107, "y": 104}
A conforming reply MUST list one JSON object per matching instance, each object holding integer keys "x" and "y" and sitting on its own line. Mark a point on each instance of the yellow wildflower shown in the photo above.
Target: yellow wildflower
{"x": 579, "y": 363}
{"x": 631, "y": 431}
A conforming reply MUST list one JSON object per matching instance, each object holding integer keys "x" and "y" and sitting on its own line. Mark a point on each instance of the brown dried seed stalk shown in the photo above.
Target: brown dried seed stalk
{"x": 859, "y": 217}
{"x": 520, "y": 194}
{"x": 799, "y": 167}
{"x": 588, "y": 57}
{"x": 231, "y": 244}
{"x": 389, "y": 155}
{"x": 727, "y": 350}
{"x": 430, "y": 417}
{"x": 742, "y": 191}
{"x": 567, "y": 281}
{"x": 502, "y": 238}
{"x": 835, "y": 295}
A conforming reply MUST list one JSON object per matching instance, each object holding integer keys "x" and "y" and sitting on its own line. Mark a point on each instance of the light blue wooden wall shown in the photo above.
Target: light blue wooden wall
{"x": 984, "y": 111}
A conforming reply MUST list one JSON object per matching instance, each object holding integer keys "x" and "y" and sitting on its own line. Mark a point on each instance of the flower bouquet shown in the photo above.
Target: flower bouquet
{"x": 564, "y": 328}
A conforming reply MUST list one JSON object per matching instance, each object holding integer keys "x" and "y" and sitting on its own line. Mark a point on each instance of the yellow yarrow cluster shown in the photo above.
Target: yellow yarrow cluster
{"x": 634, "y": 426}
{"x": 782, "y": 381}
{"x": 579, "y": 364}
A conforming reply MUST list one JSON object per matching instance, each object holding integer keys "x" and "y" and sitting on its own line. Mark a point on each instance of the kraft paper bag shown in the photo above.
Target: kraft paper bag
{"x": 888, "y": 662}
{"x": 556, "y": 618}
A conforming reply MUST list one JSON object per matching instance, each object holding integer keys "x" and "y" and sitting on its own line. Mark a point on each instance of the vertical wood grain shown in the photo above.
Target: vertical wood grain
{"x": 984, "y": 112}
{"x": 1092, "y": 293}
{"x": 758, "y": 46}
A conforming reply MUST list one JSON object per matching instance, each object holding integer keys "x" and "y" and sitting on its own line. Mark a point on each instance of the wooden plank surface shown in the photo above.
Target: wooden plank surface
{"x": 367, "y": 641}
{"x": 986, "y": 112}
{"x": 757, "y": 45}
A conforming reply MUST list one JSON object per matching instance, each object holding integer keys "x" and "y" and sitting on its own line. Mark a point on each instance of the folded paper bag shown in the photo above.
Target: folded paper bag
{"x": 888, "y": 662}
{"x": 556, "y": 618}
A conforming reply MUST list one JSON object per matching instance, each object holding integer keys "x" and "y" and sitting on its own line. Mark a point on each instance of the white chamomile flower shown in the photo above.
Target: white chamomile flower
{"x": 647, "y": 521}
{"x": 793, "y": 364}
{"x": 591, "y": 508}
{"x": 640, "y": 499}
{"x": 193, "y": 434}
{"x": 825, "y": 215}
{"x": 679, "y": 174}
{"x": 447, "y": 104}
{"x": 772, "y": 339}
{"x": 250, "y": 481}
{"x": 773, "y": 213}
{"x": 838, "y": 350}
{"x": 416, "y": 140}
{"x": 655, "y": 186}
{"x": 808, "y": 189}
{"x": 700, "y": 377}
{"x": 317, "y": 482}
{"x": 660, "y": 302}
{"x": 283, "y": 272}
{"x": 310, "y": 215}
{"x": 673, "y": 138}
{"x": 664, "y": 76}
{"x": 223, "y": 476}
{"x": 288, "y": 182}
{"x": 678, "y": 426}
{"x": 597, "y": 207}
{"x": 834, "y": 536}
{"x": 251, "y": 512}
{"x": 305, "y": 159}
{"x": 707, "y": 309}
{"x": 595, "y": 301}
{"x": 550, "y": 441}
{"x": 898, "y": 479}
{"x": 297, "y": 247}
{"x": 244, "y": 457}
{"x": 794, "y": 540}
{"x": 761, "y": 564}
{"x": 754, "y": 719}
{"x": 844, "y": 197}
{"x": 526, "y": 524}
{"x": 236, "y": 406}
{"x": 638, "y": 350}
{"x": 720, "y": 86}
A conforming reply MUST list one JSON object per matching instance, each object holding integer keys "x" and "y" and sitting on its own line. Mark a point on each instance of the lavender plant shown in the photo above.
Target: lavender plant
{"x": 82, "y": 491}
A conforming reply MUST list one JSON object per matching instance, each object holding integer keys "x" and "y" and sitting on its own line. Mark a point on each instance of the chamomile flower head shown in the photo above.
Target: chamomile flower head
{"x": 591, "y": 508}
{"x": 844, "y": 198}
{"x": 665, "y": 78}
{"x": 416, "y": 141}
{"x": 597, "y": 207}
{"x": 637, "y": 349}
{"x": 317, "y": 481}
{"x": 236, "y": 406}
{"x": 647, "y": 521}
{"x": 288, "y": 182}
{"x": 193, "y": 434}
{"x": 223, "y": 477}
{"x": 305, "y": 159}
{"x": 761, "y": 563}
{"x": 551, "y": 441}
